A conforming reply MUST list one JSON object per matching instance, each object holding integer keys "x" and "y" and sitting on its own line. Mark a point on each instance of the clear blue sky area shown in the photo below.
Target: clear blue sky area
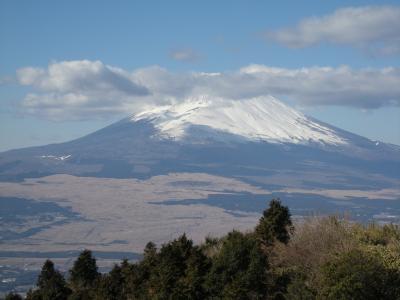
{"x": 216, "y": 36}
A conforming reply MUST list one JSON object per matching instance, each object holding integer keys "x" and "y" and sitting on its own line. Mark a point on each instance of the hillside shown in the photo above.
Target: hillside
{"x": 321, "y": 258}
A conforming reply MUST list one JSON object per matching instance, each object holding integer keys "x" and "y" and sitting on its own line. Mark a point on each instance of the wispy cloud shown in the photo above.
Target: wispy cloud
{"x": 185, "y": 55}
{"x": 86, "y": 89}
{"x": 372, "y": 28}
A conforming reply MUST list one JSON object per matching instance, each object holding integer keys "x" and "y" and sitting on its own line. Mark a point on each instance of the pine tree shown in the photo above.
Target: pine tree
{"x": 275, "y": 224}
{"x": 111, "y": 286}
{"x": 84, "y": 272}
{"x": 51, "y": 284}
{"x": 171, "y": 266}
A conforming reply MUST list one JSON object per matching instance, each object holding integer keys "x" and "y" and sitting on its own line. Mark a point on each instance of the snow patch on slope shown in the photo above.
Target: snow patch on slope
{"x": 64, "y": 157}
{"x": 261, "y": 118}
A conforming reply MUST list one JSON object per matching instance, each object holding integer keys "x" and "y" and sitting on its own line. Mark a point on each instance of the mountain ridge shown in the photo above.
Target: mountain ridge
{"x": 138, "y": 147}
{"x": 255, "y": 119}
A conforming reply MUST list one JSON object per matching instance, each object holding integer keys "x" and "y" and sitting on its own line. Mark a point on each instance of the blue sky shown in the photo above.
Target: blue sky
{"x": 121, "y": 42}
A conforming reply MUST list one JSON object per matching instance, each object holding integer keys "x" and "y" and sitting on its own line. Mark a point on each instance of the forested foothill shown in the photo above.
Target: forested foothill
{"x": 317, "y": 258}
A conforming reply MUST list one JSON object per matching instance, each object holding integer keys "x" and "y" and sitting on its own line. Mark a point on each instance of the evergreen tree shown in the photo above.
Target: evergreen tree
{"x": 135, "y": 281}
{"x": 111, "y": 286}
{"x": 362, "y": 264}
{"x": 275, "y": 224}
{"x": 143, "y": 280}
{"x": 51, "y": 284}
{"x": 171, "y": 266}
{"x": 191, "y": 284}
{"x": 84, "y": 271}
{"x": 239, "y": 269}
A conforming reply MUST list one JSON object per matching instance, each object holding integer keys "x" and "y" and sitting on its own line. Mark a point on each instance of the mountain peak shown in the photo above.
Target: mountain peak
{"x": 256, "y": 119}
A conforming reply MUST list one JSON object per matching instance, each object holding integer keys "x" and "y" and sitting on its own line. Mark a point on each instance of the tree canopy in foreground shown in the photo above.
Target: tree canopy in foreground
{"x": 319, "y": 258}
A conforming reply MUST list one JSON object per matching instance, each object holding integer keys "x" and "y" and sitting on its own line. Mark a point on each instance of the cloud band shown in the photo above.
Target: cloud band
{"x": 89, "y": 89}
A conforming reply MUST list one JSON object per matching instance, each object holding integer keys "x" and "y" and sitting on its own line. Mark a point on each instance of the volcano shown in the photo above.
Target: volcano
{"x": 201, "y": 167}
{"x": 249, "y": 138}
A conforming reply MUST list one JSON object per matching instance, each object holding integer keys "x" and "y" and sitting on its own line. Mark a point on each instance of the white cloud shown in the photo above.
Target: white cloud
{"x": 84, "y": 89}
{"x": 185, "y": 55}
{"x": 79, "y": 89}
{"x": 30, "y": 76}
{"x": 374, "y": 28}
{"x": 342, "y": 86}
{"x": 80, "y": 76}
{"x": 365, "y": 88}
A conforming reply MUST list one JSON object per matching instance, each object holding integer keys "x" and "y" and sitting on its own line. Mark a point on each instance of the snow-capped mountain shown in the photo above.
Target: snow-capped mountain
{"x": 219, "y": 161}
{"x": 252, "y": 138}
{"x": 256, "y": 119}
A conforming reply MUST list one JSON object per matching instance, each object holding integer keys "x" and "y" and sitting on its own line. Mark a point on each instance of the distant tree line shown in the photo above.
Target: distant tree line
{"x": 324, "y": 258}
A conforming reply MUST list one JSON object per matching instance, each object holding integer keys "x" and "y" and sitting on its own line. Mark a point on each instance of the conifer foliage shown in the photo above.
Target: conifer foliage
{"x": 84, "y": 272}
{"x": 275, "y": 224}
{"x": 324, "y": 258}
{"x": 51, "y": 284}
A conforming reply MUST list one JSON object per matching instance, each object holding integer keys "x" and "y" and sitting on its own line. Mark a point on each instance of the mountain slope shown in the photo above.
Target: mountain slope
{"x": 252, "y": 138}
{"x": 257, "y": 119}
{"x": 219, "y": 160}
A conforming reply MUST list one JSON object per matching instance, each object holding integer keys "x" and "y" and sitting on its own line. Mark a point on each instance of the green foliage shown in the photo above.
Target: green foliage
{"x": 359, "y": 275}
{"x": 111, "y": 286}
{"x": 51, "y": 284}
{"x": 84, "y": 272}
{"x": 298, "y": 289}
{"x": 275, "y": 224}
{"x": 374, "y": 234}
{"x": 325, "y": 258}
{"x": 140, "y": 280}
{"x": 239, "y": 269}
{"x": 179, "y": 271}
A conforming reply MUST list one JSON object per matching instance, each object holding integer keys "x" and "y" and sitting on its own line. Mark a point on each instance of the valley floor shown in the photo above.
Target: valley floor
{"x": 59, "y": 215}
